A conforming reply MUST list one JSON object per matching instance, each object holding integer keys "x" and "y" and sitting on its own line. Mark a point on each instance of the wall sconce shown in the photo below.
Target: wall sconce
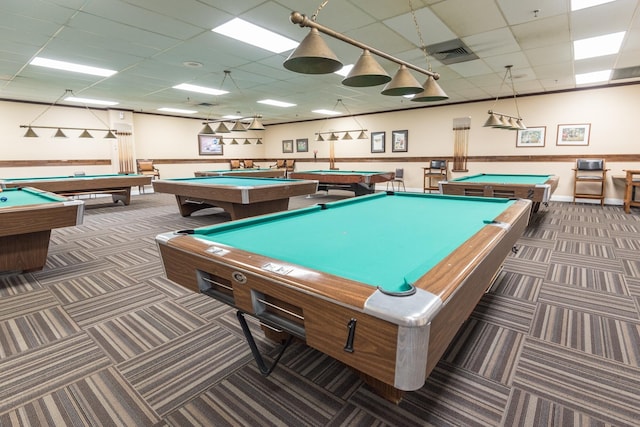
{"x": 313, "y": 56}
{"x": 501, "y": 120}
{"x": 30, "y": 133}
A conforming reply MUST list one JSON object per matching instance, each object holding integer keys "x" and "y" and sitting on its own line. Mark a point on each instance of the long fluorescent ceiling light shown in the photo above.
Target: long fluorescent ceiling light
{"x": 177, "y": 110}
{"x": 276, "y": 103}
{"x": 200, "y": 89}
{"x": 583, "y": 4}
{"x": 247, "y": 32}
{"x": 598, "y": 46}
{"x": 594, "y": 77}
{"x": 327, "y": 112}
{"x": 90, "y": 101}
{"x": 69, "y": 66}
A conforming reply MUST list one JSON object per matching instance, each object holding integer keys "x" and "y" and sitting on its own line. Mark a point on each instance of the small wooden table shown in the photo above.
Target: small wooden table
{"x": 631, "y": 181}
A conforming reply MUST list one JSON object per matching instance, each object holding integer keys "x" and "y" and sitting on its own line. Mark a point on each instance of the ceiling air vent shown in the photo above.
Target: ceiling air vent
{"x": 626, "y": 73}
{"x": 451, "y": 52}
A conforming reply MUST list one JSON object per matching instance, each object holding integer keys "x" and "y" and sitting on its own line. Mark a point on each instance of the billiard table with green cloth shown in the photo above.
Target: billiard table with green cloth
{"x": 537, "y": 188}
{"x": 118, "y": 185}
{"x": 26, "y": 219}
{"x": 360, "y": 182}
{"x": 240, "y": 196}
{"x": 408, "y": 267}
{"x": 254, "y": 172}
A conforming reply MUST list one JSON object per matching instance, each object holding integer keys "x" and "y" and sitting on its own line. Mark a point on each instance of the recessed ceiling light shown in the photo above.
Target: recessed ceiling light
{"x": 598, "y": 46}
{"x": 90, "y": 101}
{"x": 254, "y": 35}
{"x": 594, "y": 77}
{"x": 176, "y": 110}
{"x": 69, "y": 66}
{"x": 200, "y": 89}
{"x": 583, "y": 4}
{"x": 276, "y": 103}
{"x": 327, "y": 112}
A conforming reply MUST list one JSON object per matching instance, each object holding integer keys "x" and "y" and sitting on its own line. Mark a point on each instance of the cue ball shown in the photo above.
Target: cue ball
{"x": 3, "y": 199}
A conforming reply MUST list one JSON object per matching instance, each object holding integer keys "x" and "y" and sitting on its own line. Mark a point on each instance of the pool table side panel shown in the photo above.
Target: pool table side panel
{"x": 459, "y": 305}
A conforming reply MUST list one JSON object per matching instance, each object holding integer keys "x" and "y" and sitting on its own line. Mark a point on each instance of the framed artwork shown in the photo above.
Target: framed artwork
{"x": 399, "y": 140}
{"x": 302, "y": 145}
{"x": 287, "y": 146}
{"x": 573, "y": 134}
{"x": 377, "y": 142}
{"x": 531, "y": 137}
{"x": 210, "y": 145}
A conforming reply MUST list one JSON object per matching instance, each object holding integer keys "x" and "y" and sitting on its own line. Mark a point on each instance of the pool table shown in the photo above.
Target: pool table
{"x": 380, "y": 282}
{"x": 537, "y": 188}
{"x": 240, "y": 196}
{"x": 27, "y": 217}
{"x": 118, "y": 185}
{"x": 256, "y": 172}
{"x": 360, "y": 182}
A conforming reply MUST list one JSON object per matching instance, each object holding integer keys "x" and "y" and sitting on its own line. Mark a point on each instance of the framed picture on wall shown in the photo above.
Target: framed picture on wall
{"x": 573, "y": 134}
{"x": 531, "y": 137}
{"x": 287, "y": 146}
{"x": 377, "y": 142}
{"x": 399, "y": 140}
{"x": 302, "y": 145}
{"x": 210, "y": 145}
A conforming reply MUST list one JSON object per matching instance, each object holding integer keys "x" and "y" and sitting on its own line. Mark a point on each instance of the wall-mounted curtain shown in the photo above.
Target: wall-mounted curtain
{"x": 125, "y": 152}
{"x": 461, "y": 127}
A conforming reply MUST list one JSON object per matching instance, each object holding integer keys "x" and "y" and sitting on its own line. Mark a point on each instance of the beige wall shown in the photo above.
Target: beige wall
{"x": 611, "y": 112}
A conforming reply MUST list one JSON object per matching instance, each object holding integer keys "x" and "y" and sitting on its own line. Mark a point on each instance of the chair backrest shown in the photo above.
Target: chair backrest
{"x": 590, "y": 164}
{"x": 399, "y": 173}
{"x": 235, "y": 164}
{"x": 438, "y": 164}
{"x": 145, "y": 166}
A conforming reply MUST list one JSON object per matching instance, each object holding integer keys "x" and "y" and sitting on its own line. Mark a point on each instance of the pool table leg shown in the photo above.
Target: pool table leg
{"x": 26, "y": 252}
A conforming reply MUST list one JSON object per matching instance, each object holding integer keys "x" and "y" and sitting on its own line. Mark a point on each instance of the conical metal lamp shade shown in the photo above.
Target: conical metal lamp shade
{"x": 59, "y": 134}
{"x": 432, "y": 92}
{"x": 85, "y": 134}
{"x": 255, "y": 124}
{"x": 238, "y": 127}
{"x": 110, "y": 135}
{"x": 492, "y": 121}
{"x": 206, "y": 130}
{"x": 30, "y": 133}
{"x": 222, "y": 128}
{"x": 312, "y": 56}
{"x": 403, "y": 83}
{"x": 366, "y": 72}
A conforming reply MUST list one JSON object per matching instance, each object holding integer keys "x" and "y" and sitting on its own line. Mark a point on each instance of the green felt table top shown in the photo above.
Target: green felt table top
{"x": 385, "y": 240}
{"x": 27, "y": 196}
{"x": 57, "y": 178}
{"x": 233, "y": 181}
{"x": 504, "y": 178}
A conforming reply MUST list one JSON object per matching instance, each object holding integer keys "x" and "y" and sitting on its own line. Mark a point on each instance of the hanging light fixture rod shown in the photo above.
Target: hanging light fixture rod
{"x": 304, "y": 21}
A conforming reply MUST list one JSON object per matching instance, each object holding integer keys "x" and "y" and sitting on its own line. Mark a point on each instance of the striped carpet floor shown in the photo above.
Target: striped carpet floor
{"x": 101, "y": 337}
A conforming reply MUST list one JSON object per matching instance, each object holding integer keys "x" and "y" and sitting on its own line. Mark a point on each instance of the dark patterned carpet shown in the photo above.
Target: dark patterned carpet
{"x": 101, "y": 337}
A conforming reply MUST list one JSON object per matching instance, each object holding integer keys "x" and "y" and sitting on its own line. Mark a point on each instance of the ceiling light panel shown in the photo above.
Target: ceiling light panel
{"x": 254, "y": 35}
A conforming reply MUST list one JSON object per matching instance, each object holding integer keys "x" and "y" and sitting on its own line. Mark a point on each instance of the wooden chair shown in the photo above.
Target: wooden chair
{"x": 290, "y": 165}
{"x": 632, "y": 182}
{"x": 280, "y": 164}
{"x": 438, "y": 170}
{"x": 235, "y": 164}
{"x": 146, "y": 167}
{"x": 589, "y": 180}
